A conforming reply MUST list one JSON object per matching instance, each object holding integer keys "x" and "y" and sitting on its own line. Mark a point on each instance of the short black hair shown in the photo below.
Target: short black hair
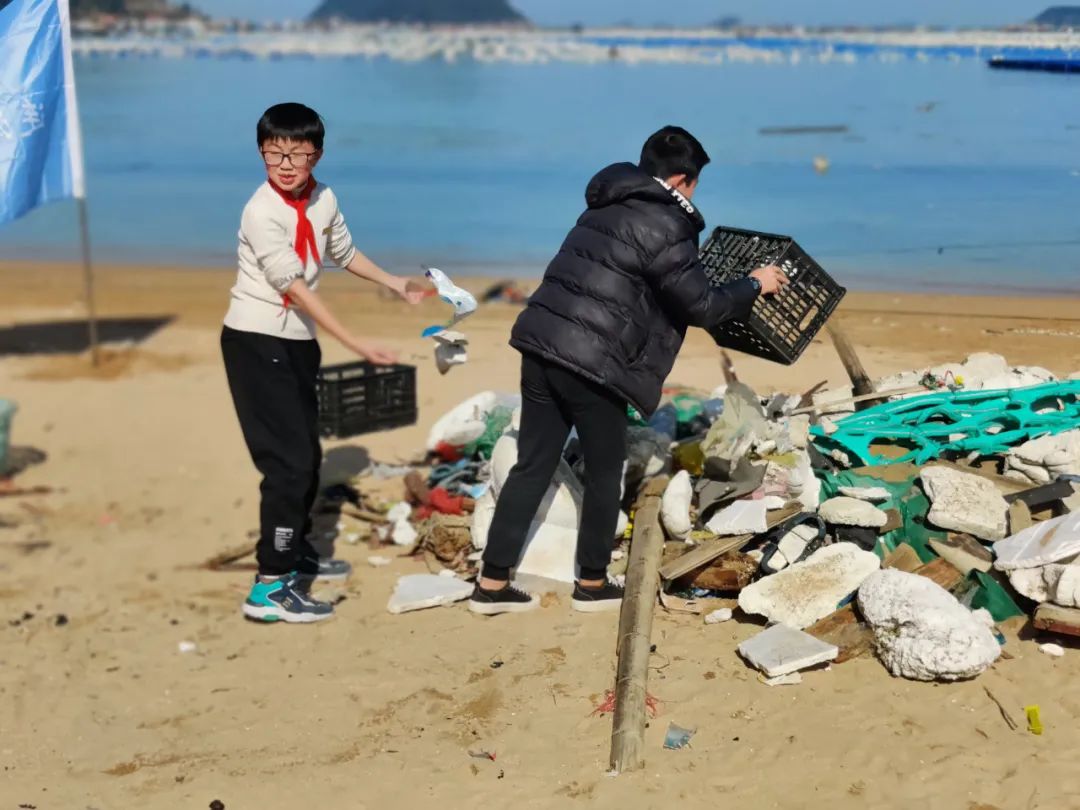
{"x": 673, "y": 151}
{"x": 291, "y": 122}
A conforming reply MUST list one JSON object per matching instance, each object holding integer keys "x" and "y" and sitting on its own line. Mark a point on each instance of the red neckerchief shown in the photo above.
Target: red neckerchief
{"x": 305, "y": 232}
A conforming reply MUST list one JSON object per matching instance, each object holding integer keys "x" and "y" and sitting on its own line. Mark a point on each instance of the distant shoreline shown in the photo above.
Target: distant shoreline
{"x": 600, "y": 45}
{"x": 488, "y": 272}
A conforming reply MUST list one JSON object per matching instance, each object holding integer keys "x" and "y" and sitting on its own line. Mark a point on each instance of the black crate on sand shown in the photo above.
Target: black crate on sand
{"x": 357, "y": 398}
{"x": 779, "y": 327}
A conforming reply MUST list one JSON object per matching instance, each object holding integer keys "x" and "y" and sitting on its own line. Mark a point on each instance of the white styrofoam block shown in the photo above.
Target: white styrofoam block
{"x": 921, "y": 631}
{"x": 780, "y": 650}
{"x": 419, "y": 591}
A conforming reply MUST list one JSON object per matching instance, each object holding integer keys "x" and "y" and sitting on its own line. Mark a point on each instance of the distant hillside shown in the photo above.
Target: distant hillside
{"x": 419, "y": 11}
{"x": 1059, "y": 17}
{"x": 80, "y": 8}
{"x": 132, "y": 8}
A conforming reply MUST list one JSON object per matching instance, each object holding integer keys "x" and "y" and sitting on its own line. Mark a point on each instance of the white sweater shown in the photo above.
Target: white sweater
{"x": 268, "y": 262}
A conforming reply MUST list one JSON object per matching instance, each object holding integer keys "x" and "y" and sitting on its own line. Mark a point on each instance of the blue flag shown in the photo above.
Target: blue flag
{"x": 40, "y": 140}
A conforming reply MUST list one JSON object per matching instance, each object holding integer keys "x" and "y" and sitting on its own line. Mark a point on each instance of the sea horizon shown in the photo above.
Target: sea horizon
{"x": 940, "y": 175}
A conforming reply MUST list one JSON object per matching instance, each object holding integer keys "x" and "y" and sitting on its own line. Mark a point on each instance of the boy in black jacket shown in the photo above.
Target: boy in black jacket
{"x": 601, "y": 332}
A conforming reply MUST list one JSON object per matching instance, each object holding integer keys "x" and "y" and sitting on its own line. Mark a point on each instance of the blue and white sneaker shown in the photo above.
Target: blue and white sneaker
{"x": 284, "y": 600}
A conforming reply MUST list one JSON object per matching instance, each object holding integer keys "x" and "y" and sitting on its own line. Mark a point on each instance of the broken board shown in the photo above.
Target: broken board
{"x": 711, "y": 549}
{"x": 844, "y": 630}
{"x": 730, "y": 572}
{"x": 1057, "y": 619}
{"x": 903, "y": 558}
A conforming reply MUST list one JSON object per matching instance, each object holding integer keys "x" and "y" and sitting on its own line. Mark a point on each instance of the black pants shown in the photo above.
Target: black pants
{"x": 553, "y": 400}
{"x": 272, "y": 381}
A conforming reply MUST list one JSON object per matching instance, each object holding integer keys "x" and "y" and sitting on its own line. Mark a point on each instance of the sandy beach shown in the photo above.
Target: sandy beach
{"x": 370, "y": 710}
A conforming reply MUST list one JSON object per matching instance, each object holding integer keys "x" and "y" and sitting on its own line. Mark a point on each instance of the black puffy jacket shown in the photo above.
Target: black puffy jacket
{"x": 617, "y": 298}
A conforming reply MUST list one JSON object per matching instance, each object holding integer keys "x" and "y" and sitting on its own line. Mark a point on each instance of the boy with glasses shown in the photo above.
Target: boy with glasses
{"x": 272, "y": 358}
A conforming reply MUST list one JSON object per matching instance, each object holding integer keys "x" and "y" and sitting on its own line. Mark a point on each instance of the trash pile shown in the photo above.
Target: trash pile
{"x": 908, "y": 529}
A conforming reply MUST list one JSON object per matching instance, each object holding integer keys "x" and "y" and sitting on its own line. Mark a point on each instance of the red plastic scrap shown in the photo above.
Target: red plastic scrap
{"x": 607, "y": 706}
{"x": 446, "y": 503}
{"x": 449, "y": 453}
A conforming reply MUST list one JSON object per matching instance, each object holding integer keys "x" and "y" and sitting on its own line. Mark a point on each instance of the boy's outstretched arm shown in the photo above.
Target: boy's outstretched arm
{"x": 682, "y": 288}
{"x": 309, "y": 302}
{"x": 363, "y": 267}
{"x": 341, "y": 249}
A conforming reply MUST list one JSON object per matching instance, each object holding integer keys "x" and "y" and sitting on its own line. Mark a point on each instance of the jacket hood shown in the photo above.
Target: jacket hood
{"x": 624, "y": 181}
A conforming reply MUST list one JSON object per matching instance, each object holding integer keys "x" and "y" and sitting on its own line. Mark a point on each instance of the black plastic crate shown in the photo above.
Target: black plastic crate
{"x": 357, "y": 398}
{"x": 779, "y": 327}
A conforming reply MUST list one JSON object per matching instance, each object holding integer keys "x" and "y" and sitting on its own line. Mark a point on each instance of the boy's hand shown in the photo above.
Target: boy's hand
{"x": 412, "y": 290}
{"x": 374, "y": 353}
{"x": 772, "y": 279}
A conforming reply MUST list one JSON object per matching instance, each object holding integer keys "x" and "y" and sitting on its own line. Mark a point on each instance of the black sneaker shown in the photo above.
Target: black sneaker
{"x": 608, "y": 596}
{"x": 504, "y": 600}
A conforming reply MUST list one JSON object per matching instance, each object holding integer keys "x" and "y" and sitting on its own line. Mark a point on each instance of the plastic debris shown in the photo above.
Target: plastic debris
{"x": 462, "y": 301}
{"x": 1034, "y": 719}
{"x": 741, "y": 517}
{"x": 791, "y": 679}
{"x": 375, "y": 561}
{"x": 451, "y": 349}
{"x": 677, "y": 737}
{"x": 1053, "y": 650}
{"x": 675, "y": 506}
{"x": 956, "y": 422}
{"x": 187, "y": 646}
{"x": 420, "y": 591}
{"x": 719, "y": 616}
{"x": 1051, "y": 541}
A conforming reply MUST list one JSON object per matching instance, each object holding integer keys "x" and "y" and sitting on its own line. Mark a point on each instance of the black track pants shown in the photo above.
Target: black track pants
{"x": 272, "y": 381}
{"x": 553, "y": 400}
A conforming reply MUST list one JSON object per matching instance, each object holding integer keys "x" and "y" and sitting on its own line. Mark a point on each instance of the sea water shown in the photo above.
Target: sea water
{"x": 944, "y": 174}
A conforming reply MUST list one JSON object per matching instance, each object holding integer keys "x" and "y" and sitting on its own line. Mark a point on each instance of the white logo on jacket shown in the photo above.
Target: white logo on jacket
{"x": 678, "y": 195}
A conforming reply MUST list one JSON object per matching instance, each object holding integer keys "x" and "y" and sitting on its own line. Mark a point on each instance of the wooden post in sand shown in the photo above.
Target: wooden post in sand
{"x": 88, "y": 283}
{"x": 860, "y": 381}
{"x": 635, "y": 631}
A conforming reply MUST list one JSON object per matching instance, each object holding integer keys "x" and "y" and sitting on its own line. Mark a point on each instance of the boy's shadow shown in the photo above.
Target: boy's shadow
{"x": 339, "y": 466}
{"x": 73, "y": 337}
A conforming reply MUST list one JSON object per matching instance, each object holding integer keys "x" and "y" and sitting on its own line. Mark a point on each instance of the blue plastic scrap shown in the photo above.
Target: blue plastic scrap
{"x": 960, "y": 422}
{"x": 677, "y": 737}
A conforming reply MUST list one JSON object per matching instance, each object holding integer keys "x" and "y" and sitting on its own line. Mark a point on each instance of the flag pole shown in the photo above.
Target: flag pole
{"x": 88, "y": 280}
{"x": 78, "y": 176}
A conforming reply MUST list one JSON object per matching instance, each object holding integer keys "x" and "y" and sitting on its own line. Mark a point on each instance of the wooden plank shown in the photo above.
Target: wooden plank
{"x": 942, "y": 572}
{"x": 1055, "y": 619}
{"x": 635, "y": 632}
{"x": 852, "y": 637}
{"x": 964, "y": 552}
{"x": 894, "y": 521}
{"x": 708, "y": 551}
{"x": 903, "y": 558}
{"x": 860, "y": 380}
{"x": 729, "y": 572}
{"x": 1019, "y": 517}
{"x": 862, "y": 398}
